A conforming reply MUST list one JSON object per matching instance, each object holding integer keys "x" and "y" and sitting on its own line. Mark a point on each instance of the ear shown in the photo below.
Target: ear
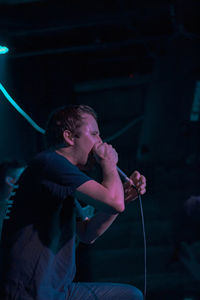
{"x": 68, "y": 137}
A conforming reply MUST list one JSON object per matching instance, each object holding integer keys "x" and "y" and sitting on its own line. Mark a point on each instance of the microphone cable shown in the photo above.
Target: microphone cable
{"x": 125, "y": 177}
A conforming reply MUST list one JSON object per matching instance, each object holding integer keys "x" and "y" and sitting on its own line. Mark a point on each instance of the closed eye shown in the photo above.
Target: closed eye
{"x": 95, "y": 133}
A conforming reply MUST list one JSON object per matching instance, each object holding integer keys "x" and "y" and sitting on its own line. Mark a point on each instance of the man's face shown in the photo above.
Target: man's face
{"x": 86, "y": 136}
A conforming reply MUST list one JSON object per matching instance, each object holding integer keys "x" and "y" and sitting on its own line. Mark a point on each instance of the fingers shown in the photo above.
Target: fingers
{"x": 127, "y": 186}
{"x": 142, "y": 191}
{"x": 106, "y": 152}
{"x": 143, "y": 179}
{"x": 139, "y": 181}
{"x": 100, "y": 149}
{"x": 110, "y": 153}
{"x": 137, "y": 177}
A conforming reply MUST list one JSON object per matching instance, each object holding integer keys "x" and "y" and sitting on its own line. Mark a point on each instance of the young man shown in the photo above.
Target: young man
{"x": 39, "y": 256}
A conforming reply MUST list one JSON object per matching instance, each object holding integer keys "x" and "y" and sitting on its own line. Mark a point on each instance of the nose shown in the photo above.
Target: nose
{"x": 99, "y": 140}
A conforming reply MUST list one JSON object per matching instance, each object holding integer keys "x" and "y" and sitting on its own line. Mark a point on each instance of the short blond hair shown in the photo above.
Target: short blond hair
{"x": 65, "y": 118}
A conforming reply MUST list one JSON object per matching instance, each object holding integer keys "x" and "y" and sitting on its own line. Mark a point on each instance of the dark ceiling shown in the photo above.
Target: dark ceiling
{"x": 97, "y": 32}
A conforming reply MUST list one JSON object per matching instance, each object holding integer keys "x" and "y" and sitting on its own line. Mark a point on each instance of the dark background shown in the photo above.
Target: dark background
{"x": 130, "y": 60}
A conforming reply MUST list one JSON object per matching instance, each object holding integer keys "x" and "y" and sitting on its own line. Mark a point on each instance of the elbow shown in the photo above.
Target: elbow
{"x": 88, "y": 241}
{"x": 120, "y": 208}
{"x": 91, "y": 242}
{"x": 114, "y": 209}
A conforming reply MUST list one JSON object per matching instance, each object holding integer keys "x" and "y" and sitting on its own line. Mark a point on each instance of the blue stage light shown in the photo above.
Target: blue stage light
{"x": 20, "y": 110}
{"x": 3, "y": 50}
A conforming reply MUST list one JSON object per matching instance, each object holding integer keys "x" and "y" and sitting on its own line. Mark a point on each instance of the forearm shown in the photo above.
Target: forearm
{"x": 112, "y": 181}
{"x": 91, "y": 229}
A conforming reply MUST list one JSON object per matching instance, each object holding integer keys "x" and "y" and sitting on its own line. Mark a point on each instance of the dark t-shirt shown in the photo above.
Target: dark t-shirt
{"x": 38, "y": 240}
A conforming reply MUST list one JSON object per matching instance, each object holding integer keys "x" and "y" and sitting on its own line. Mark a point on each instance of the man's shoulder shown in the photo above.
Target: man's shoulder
{"x": 45, "y": 155}
{"x": 48, "y": 157}
{"x": 50, "y": 167}
{"x": 50, "y": 160}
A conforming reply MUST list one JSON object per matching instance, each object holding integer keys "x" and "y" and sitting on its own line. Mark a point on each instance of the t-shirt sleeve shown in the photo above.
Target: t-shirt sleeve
{"x": 61, "y": 172}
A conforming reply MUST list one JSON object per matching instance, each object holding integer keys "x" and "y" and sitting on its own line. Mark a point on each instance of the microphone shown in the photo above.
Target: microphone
{"x": 125, "y": 177}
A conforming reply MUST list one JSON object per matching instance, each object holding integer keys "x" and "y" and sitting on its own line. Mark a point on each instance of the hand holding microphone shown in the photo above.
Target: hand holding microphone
{"x": 105, "y": 154}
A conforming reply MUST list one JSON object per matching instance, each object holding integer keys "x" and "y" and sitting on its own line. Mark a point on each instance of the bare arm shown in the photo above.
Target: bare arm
{"x": 89, "y": 230}
{"x": 109, "y": 195}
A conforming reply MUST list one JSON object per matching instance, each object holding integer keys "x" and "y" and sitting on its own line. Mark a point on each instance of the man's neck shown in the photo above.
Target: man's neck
{"x": 65, "y": 151}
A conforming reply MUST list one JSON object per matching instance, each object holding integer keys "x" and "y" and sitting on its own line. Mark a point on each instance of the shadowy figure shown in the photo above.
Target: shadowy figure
{"x": 10, "y": 171}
